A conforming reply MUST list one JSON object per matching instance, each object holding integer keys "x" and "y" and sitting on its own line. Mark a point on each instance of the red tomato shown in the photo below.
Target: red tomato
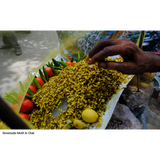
{"x": 49, "y": 71}
{"x": 40, "y": 80}
{"x": 27, "y": 105}
{"x": 24, "y": 115}
{"x": 33, "y": 89}
{"x": 69, "y": 63}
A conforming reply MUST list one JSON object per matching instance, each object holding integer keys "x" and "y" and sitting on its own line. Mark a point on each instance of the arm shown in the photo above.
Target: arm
{"x": 154, "y": 62}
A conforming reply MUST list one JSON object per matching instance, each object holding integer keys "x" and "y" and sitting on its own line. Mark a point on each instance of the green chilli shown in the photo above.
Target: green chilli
{"x": 63, "y": 63}
{"x": 79, "y": 57}
{"x": 62, "y": 60}
{"x": 67, "y": 59}
{"x": 55, "y": 62}
{"x": 53, "y": 69}
{"x": 72, "y": 59}
{"x": 28, "y": 96}
{"x": 30, "y": 92}
{"x": 84, "y": 56}
{"x": 76, "y": 60}
{"x": 58, "y": 68}
{"x": 37, "y": 83}
{"x": 46, "y": 74}
{"x": 41, "y": 74}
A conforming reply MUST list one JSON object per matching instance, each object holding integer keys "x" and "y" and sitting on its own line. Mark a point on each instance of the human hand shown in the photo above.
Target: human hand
{"x": 136, "y": 61}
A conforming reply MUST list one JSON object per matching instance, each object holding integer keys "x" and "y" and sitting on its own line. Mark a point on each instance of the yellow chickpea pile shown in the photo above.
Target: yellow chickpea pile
{"x": 85, "y": 87}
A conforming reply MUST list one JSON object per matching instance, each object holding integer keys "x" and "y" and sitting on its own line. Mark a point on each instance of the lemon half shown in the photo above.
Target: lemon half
{"x": 79, "y": 124}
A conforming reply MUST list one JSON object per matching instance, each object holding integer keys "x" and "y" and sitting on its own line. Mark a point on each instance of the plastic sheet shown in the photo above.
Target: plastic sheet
{"x": 62, "y": 51}
{"x": 123, "y": 118}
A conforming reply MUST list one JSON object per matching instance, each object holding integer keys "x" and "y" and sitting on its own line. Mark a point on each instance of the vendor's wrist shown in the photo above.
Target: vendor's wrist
{"x": 153, "y": 62}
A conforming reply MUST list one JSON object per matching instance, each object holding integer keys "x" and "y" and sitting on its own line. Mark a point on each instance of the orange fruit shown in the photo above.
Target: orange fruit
{"x": 49, "y": 71}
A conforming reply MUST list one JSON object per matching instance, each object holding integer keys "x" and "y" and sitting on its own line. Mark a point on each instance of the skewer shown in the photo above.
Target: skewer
{"x": 138, "y": 83}
{"x": 140, "y": 42}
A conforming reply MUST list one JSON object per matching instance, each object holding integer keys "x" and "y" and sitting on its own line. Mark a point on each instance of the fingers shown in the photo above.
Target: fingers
{"x": 108, "y": 65}
{"x": 108, "y": 51}
{"x": 104, "y": 43}
{"x": 101, "y": 45}
{"x": 124, "y": 67}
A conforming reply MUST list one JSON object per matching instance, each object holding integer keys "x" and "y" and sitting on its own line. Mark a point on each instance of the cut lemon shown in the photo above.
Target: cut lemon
{"x": 79, "y": 124}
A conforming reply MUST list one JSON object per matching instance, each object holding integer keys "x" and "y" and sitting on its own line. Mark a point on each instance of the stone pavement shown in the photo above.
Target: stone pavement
{"x": 35, "y": 47}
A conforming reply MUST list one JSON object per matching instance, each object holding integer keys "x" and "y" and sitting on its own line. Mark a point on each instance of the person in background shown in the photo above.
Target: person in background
{"x": 10, "y": 41}
{"x": 136, "y": 61}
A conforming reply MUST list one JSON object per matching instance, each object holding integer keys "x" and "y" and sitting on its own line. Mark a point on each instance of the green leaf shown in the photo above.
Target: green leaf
{"x": 22, "y": 87}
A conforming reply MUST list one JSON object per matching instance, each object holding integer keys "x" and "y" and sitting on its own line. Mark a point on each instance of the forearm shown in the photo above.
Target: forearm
{"x": 153, "y": 62}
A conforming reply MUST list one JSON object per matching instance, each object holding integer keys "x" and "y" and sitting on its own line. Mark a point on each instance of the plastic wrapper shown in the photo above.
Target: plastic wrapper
{"x": 63, "y": 51}
{"x": 84, "y": 41}
{"x": 129, "y": 122}
{"x": 152, "y": 110}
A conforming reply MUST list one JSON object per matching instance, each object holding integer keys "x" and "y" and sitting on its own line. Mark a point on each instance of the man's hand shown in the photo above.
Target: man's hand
{"x": 136, "y": 61}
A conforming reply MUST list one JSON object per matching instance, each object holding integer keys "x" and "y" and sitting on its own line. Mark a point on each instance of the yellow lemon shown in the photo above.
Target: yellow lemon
{"x": 89, "y": 115}
{"x": 145, "y": 85}
{"x": 79, "y": 124}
